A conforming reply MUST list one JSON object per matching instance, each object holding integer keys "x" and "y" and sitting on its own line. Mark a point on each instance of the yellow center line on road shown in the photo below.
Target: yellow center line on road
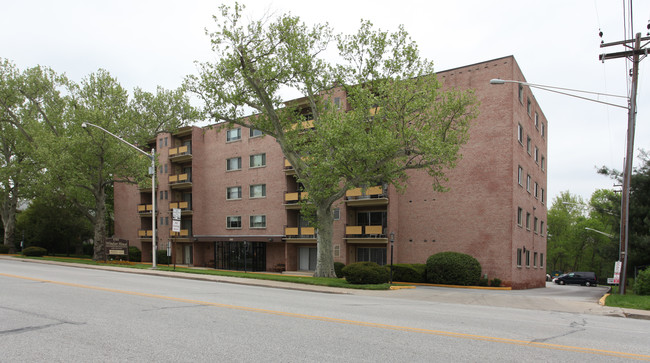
{"x": 353, "y": 322}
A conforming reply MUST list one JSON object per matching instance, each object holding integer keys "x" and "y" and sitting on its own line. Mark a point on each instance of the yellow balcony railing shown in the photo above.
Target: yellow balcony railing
{"x": 376, "y": 191}
{"x": 142, "y": 233}
{"x": 364, "y": 231}
{"x": 144, "y": 208}
{"x": 182, "y": 233}
{"x": 296, "y": 232}
{"x": 181, "y": 205}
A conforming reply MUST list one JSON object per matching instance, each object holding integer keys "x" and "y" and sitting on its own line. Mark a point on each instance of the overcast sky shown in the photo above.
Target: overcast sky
{"x": 150, "y": 43}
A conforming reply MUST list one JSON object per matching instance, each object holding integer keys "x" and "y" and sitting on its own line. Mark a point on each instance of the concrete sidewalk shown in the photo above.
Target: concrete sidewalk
{"x": 516, "y": 299}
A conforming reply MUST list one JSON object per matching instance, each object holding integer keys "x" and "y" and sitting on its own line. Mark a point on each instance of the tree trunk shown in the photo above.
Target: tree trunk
{"x": 8, "y": 213}
{"x": 99, "y": 252}
{"x": 325, "y": 258}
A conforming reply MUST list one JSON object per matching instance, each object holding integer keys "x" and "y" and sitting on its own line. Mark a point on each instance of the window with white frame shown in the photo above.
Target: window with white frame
{"x": 520, "y": 133}
{"x": 520, "y": 176}
{"x": 520, "y": 216}
{"x": 529, "y": 107}
{"x": 541, "y": 260}
{"x": 541, "y": 228}
{"x": 528, "y": 183}
{"x": 536, "y": 190}
{"x": 233, "y": 193}
{"x": 233, "y": 222}
{"x": 529, "y": 145}
{"x": 536, "y": 120}
{"x": 534, "y": 259}
{"x": 528, "y": 221}
{"x": 541, "y": 195}
{"x": 543, "y": 163}
{"x": 543, "y": 130}
{"x": 258, "y": 221}
{"x": 233, "y": 134}
{"x": 521, "y": 94}
{"x": 536, "y": 154}
{"x": 258, "y": 191}
{"x": 535, "y": 224}
{"x": 257, "y": 160}
{"x": 233, "y": 164}
{"x": 527, "y": 258}
{"x": 519, "y": 257}
{"x": 336, "y": 213}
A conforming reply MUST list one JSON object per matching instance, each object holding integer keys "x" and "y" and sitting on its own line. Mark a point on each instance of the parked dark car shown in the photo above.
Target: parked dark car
{"x": 581, "y": 278}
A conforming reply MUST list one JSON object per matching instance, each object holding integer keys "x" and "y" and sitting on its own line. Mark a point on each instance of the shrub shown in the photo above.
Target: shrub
{"x": 483, "y": 282}
{"x": 495, "y": 282}
{"x": 34, "y": 251}
{"x": 338, "y": 269}
{"x": 407, "y": 272}
{"x": 135, "y": 254}
{"x": 453, "y": 268}
{"x": 162, "y": 258}
{"x": 642, "y": 283}
{"x": 365, "y": 273}
{"x": 4, "y": 249}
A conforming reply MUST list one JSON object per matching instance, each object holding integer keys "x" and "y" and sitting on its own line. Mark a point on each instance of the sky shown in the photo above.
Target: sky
{"x": 555, "y": 42}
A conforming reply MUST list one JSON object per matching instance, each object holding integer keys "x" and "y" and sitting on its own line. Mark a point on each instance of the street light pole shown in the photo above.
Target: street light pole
{"x": 152, "y": 171}
{"x": 627, "y": 172}
{"x": 392, "y": 243}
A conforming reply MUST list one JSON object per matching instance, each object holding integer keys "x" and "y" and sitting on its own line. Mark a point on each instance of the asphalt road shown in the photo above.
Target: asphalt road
{"x": 58, "y": 313}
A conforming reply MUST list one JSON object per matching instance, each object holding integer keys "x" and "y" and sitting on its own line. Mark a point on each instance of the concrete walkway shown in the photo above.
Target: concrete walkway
{"x": 548, "y": 299}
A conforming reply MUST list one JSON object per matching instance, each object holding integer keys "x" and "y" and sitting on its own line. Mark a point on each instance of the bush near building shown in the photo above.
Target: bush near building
{"x": 365, "y": 273}
{"x": 338, "y": 269}
{"x": 34, "y": 251}
{"x": 4, "y": 249}
{"x": 409, "y": 272}
{"x": 453, "y": 268}
{"x": 642, "y": 283}
{"x": 135, "y": 255}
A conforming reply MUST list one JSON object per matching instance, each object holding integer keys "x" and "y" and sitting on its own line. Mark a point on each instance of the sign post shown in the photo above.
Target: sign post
{"x": 176, "y": 227}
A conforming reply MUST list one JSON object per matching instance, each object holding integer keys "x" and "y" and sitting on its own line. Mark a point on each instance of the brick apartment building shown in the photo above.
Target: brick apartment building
{"x": 237, "y": 193}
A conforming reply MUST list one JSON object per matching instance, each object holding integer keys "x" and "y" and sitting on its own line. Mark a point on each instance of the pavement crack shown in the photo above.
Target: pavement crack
{"x": 576, "y": 326}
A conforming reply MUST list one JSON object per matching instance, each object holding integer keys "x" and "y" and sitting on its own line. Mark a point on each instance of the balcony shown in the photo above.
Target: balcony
{"x": 182, "y": 236}
{"x": 145, "y": 208}
{"x": 180, "y": 154}
{"x": 360, "y": 197}
{"x": 299, "y": 234}
{"x": 292, "y": 199}
{"x": 145, "y": 233}
{"x": 288, "y": 168}
{"x": 183, "y": 206}
{"x": 180, "y": 181}
{"x": 365, "y": 234}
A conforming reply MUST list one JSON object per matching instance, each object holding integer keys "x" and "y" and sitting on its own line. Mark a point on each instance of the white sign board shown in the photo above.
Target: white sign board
{"x": 176, "y": 214}
{"x": 176, "y": 226}
{"x": 617, "y": 272}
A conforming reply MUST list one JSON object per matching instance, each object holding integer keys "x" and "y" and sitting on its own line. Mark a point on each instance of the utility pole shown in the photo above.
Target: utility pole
{"x": 634, "y": 55}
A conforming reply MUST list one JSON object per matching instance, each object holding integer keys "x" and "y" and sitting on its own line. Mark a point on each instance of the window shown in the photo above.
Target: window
{"x": 166, "y": 195}
{"x": 255, "y": 133}
{"x": 528, "y": 107}
{"x": 337, "y": 103}
{"x": 337, "y": 250}
{"x": 527, "y": 258}
{"x": 536, "y": 154}
{"x": 535, "y": 225}
{"x": 519, "y": 257}
{"x": 534, "y": 259}
{"x": 258, "y": 221}
{"x": 160, "y": 169}
{"x": 541, "y": 228}
{"x": 520, "y": 134}
{"x": 336, "y": 213}
{"x": 543, "y": 130}
{"x": 233, "y": 222}
{"x": 161, "y": 195}
{"x": 233, "y": 134}
{"x": 233, "y": 193}
{"x": 528, "y": 183}
{"x": 520, "y": 176}
{"x": 520, "y": 216}
{"x": 543, "y": 164}
{"x": 528, "y": 221}
{"x": 162, "y": 221}
{"x": 166, "y": 221}
{"x": 536, "y": 190}
{"x": 376, "y": 255}
{"x": 521, "y": 94}
{"x": 541, "y": 195}
{"x": 257, "y": 160}
{"x": 529, "y": 144}
{"x": 233, "y": 164}
{"x": 166, "y": 141}
{"x": 165, "y": 168}
{"x": 536, "y": 120}
{"x": 258, "y": 191}
{"x": 541, "y": 260}
{"x": 160, "y": 143}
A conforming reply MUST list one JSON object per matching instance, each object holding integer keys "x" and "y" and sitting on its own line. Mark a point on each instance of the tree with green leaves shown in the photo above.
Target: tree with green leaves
{"x": 366, "y": 120}
{"x": 82, "y": 164}
{"x": 30, "y": 102}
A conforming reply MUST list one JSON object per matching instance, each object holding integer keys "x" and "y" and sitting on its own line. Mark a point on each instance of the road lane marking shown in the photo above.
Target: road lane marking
{"x": 351, "y": 322}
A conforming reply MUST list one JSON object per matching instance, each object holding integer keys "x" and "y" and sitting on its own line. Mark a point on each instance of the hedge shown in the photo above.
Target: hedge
{"x": 453, "y": 268}
{"x": 365, "y": 273}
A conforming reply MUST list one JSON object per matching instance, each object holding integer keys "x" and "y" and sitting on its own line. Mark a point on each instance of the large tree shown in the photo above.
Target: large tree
{"x": 365, "y": 120}
{"x": 82, "y": 165}
{"x": 30, "y": 101}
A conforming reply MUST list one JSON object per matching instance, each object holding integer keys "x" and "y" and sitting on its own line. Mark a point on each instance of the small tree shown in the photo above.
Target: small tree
{"x": 453, "y": 268}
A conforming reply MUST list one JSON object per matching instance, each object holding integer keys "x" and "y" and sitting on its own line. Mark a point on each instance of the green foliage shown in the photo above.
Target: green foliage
{"x": 338, "y": 269}
{"x": 162, "y": 258}
{"x": 495, "y": 282}
{"x": 4, "y": 249}
{"x": 365, "y": 273}
{"x": 453, "y": 268}
{"x": 407, "y": 272}
{"x": 135, "y": 255}
{"x": 34, "y": 251}
{"x": 642, "y": 283}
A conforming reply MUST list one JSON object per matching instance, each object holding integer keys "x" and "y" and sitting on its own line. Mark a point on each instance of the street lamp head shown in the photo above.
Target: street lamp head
{"x": 497, "y": 81}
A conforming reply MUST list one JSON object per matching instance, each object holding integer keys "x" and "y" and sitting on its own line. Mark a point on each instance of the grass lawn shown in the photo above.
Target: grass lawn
{"x": 308, "y": 280}
{"x": 629, "y": 300}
